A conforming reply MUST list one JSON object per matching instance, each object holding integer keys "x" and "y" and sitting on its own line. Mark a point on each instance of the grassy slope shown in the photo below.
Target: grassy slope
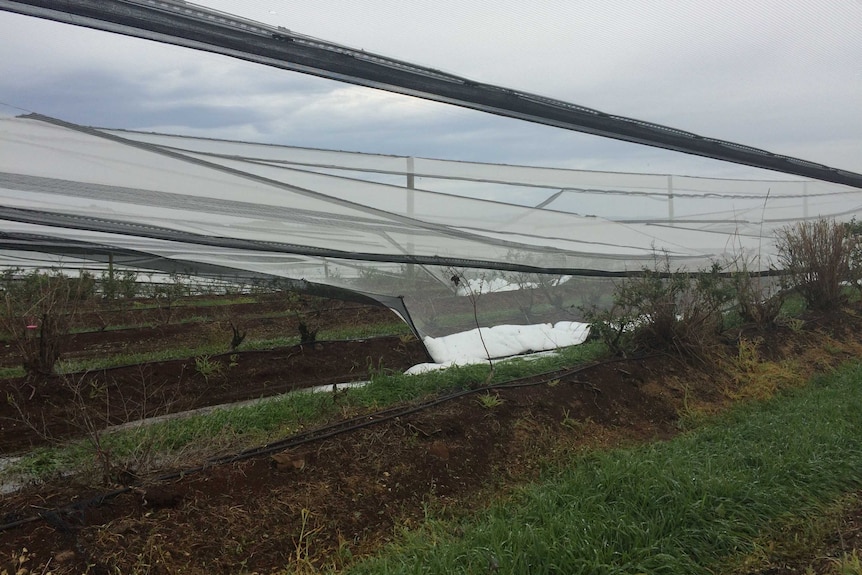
{"x": 682, "y": 506}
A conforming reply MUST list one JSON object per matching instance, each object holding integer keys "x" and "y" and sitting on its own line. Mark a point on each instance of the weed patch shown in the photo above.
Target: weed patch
{"x": 755, "y": 378}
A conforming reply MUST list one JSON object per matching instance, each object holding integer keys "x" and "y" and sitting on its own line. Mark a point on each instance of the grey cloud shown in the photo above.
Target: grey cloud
{"x": 730, "y": 77}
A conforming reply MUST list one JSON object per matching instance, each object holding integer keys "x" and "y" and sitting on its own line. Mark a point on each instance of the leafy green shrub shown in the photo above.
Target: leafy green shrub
{"x": 83, "y": 287}
{"x": 854, "y": 230}
{"x": 167, "y": 294}
{"x": 37, "y": 310}
{"x": 116, "y": 285}
{"x": 660, "y": 309}
{"x": 759, "y": 299}
{"x": 817, "y": 257}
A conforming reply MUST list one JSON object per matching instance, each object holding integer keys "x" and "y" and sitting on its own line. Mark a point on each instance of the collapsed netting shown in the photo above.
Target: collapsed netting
{"x": 434, "y": 240}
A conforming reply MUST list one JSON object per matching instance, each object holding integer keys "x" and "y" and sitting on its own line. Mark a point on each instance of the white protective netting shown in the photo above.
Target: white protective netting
{"x": 535, "y": 243}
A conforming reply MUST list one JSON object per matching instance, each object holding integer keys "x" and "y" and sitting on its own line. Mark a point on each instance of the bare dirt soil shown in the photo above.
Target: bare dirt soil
{"x": 324, "y": 502}
{"x": 44, "y": 411}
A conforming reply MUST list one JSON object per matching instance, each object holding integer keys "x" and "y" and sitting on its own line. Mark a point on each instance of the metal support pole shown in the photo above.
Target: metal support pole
{"x": 411, "y": 208}
{"x": 670, "y": 199}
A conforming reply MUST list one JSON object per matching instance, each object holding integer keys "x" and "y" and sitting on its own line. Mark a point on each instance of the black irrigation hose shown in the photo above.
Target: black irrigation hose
{"x": 317, "y": 434}
{"x": 367, "y": 420}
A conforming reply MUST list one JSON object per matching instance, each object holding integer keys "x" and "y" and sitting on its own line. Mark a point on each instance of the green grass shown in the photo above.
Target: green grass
{"x": 96, "y": 363}
{"x": 237, "y": 427}
{"x": 489, "y": 400}
{"x": 793, "y": 305}
{"x": 682, "y": 506}
{"x": 187, "y": 320}
{"x": 186, "y": 301}
{"x": 360, "y": 331}
{"x": 76, "y": 366}
{"x": 799, "y": 539}
{"x": 11, "y": 372}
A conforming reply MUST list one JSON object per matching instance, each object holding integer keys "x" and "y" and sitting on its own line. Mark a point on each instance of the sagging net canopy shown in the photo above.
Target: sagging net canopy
{"x": 419, "y": 235}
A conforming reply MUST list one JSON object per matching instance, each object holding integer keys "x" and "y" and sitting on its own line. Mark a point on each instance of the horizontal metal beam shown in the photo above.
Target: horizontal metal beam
{"x": 185, "y": 24}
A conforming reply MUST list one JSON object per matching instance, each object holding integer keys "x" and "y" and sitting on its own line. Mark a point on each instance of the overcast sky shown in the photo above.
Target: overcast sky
{"x": 783, "y": 75}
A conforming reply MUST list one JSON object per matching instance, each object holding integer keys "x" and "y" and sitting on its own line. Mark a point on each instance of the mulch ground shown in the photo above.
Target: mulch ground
{"x": 327, "y": 502}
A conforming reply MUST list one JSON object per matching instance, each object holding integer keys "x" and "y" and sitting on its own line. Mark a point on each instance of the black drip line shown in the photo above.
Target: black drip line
{"x": 54, "y": 516}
